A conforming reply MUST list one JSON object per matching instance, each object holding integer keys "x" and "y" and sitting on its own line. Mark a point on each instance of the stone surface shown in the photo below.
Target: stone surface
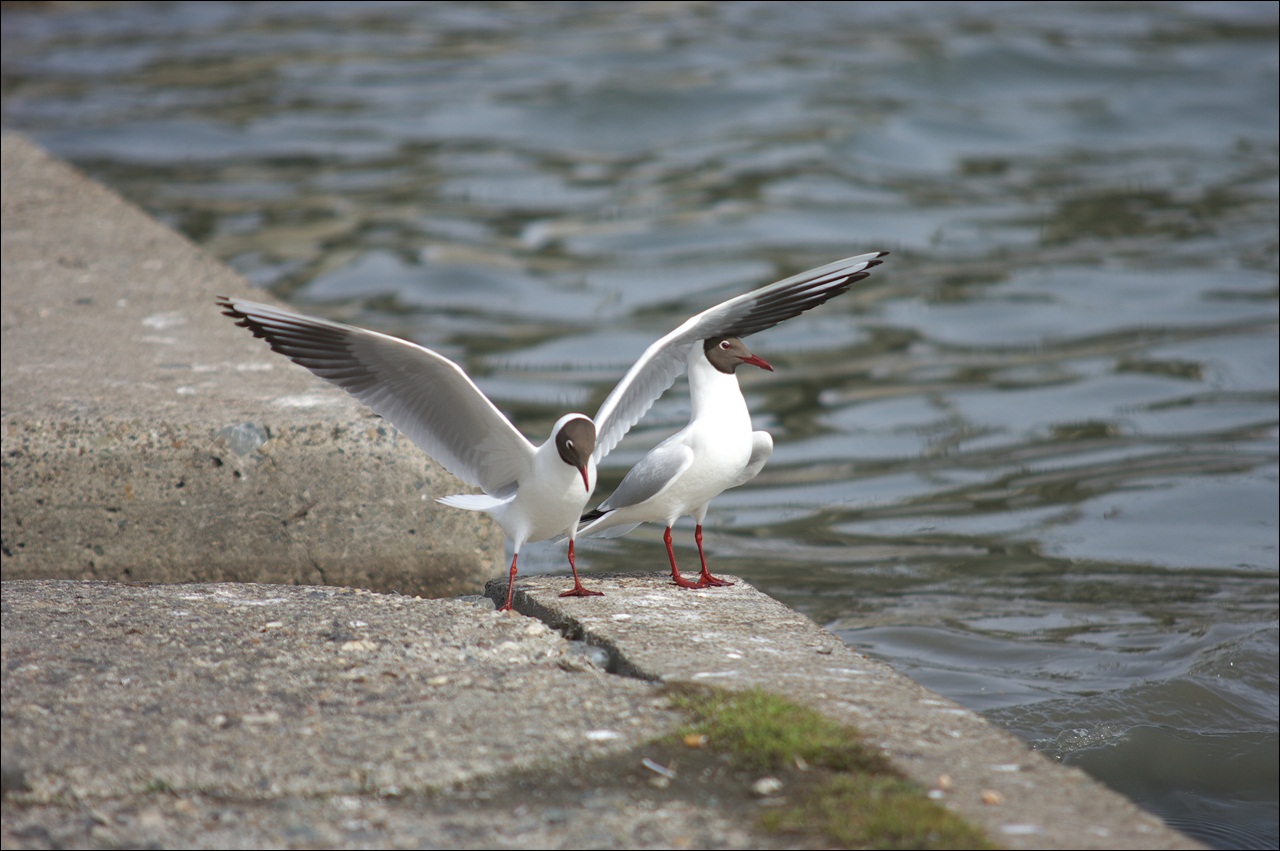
{"x": 143, "y": 431}
{"x": 246, "y": 715}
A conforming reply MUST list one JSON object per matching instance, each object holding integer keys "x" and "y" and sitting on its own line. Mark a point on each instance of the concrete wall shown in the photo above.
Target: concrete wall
{"x": 143, "y": 432}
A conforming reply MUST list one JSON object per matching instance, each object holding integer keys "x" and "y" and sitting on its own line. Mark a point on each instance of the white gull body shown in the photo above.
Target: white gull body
{"x": 544, "y": 497}
{"x": 716, "y": 451}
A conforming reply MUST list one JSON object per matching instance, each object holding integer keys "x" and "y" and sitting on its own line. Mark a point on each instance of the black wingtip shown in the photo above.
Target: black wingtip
{"x": 229, "y": 308}
{"x": 251, "y": 324}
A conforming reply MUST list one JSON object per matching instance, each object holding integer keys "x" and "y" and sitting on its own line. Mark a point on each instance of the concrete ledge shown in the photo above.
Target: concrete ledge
{"x": 241, "y": 716}
{"x": 143, "y": 432}
{"x": 280, "y": 716}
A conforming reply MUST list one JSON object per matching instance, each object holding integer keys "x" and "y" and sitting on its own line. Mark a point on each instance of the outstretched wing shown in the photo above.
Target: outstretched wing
{"x": 422, "y": 393}
{"x": 661, "y": 364}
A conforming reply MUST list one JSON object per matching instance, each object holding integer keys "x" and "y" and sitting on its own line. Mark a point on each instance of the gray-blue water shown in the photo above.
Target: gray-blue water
{"x": 1032, "y": 462}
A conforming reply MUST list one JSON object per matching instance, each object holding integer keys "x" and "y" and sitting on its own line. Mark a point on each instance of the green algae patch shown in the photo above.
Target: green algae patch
{"x": 839, "y": 792}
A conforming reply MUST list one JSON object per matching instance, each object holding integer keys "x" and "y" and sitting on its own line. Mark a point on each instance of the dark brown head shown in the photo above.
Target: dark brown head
{"x": 575, "y": 441}
{"x": 728, "y": 353}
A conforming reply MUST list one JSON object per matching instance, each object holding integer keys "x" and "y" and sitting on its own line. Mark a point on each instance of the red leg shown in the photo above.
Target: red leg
{"x": 511, "y": 584}
{"x": 706, "y": 578}
{"x": 675, "y": 571}
{"x": 577, "y": 590}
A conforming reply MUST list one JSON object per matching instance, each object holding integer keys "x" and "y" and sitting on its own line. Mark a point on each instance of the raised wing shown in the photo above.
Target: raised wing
{"x": 422, "y": 393}
{"x": 661, "y": 364}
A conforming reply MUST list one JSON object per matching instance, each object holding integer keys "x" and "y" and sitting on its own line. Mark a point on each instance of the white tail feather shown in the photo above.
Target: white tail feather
{"x": 472, "y": 501}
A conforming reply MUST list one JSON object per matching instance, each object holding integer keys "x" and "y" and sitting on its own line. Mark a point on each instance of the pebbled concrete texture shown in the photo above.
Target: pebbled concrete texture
{"x": 737, "y": 638}
{"x": 247, "y": 715}
{"x": 227, "y": 715}
{"x": 143, "y": 431}
{"x": 220, "y": 690}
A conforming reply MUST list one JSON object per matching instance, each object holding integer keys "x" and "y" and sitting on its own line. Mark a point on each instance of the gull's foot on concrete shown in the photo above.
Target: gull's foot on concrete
{"x": 706, "y": 580}
{"x": 578, "y": 591}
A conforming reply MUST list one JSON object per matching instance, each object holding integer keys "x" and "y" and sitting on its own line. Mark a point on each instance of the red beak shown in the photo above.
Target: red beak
{"x": 586, "y": 484}
{"x": 756, "y": 360}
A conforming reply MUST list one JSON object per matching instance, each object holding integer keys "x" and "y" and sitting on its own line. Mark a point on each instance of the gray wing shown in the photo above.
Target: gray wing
{"x": 422, "y": 393}
{"x": 661, "y": 364}
{"x": 761, "y": 449}
{"x": 661, "y": 466}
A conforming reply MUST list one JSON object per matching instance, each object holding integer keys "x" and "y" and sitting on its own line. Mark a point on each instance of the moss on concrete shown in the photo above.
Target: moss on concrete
{"x": 839, "y": 791}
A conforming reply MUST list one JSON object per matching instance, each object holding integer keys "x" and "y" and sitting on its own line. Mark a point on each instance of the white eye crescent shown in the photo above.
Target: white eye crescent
{"x": 724, "y": 344}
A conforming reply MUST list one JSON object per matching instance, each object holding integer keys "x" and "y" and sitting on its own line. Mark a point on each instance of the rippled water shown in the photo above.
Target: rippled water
{"x": 1032, "y": 462}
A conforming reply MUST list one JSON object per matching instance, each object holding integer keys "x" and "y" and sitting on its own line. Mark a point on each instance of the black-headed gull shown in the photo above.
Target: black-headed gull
{"x": 717, "y": 450}
{"x": 534, "y": 492}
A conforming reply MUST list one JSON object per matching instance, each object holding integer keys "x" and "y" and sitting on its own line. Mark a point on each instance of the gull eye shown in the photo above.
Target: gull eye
{"x": 724, "y": 344}
{"x": 569, "y": 443}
